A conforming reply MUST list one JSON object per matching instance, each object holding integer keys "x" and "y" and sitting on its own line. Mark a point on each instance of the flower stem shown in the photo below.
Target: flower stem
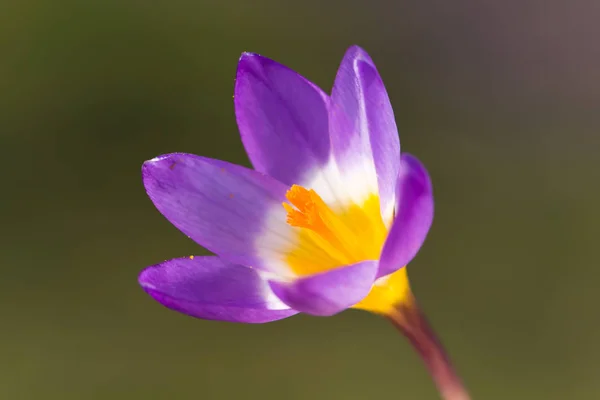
{"x": 408, "y": 318}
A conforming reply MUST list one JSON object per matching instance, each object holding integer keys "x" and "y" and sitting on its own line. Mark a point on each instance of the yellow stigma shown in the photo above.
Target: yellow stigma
{"x": 329, "y": 238}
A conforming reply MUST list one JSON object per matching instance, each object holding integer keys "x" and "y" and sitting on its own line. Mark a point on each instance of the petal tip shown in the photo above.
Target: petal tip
{"x": 153, "y": 162}
{"x": 357, "y": 53}
{"x": 356, "y": 49}
{"x": 248, "y": 54}
{"x": 144, "y": 277}
{"x": 169, "y": 160}
{"x": 249, "y": 66}
{"x": 152, "y": 166}
{"x": 411, "y": 164}
{"x": 251, "y": 61}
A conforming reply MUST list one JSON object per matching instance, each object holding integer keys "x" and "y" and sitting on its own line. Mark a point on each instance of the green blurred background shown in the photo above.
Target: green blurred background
{"x": 501, "y": 100}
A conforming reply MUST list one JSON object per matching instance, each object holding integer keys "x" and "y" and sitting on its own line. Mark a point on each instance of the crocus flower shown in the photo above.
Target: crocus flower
{"x": 327, "y": 220}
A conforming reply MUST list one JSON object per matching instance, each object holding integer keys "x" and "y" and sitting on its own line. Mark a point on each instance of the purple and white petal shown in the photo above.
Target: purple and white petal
{"x": 414, "y": 215}
{"x": 363, "y": 130}
{"x": 210, "y": 288}
{"x": 329, "y": 292}
{"x": 232, "y": 211}
{"x": 283, "y": 120}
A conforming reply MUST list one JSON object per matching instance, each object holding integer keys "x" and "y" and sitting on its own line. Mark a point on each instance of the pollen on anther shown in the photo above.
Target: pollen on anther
{"x": 299, "y": 197}
{"x": 303, "y": 211}
{"x": 191, "y": 257}
{"x": 294, "y": 217}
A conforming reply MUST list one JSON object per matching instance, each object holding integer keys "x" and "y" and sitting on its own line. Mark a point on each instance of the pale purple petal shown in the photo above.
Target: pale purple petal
{"x": 282, "y": 118}
{"x": 363, "y": 130}
{"x": 209, "y": 288}
{"x": 221, "y": 206}
{"x": 414, "y": 215}
{"x": 329, "y": 292}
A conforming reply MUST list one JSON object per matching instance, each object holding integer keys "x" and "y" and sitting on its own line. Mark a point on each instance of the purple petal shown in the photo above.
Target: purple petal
{"x": 414, "y": 215}
{"x": 221, "y": 206}
{"x": 282, "y": 117}
{"x": 209, "y": 288}
{"x": 329, "y": 292}
{"x": 363, "y": 129}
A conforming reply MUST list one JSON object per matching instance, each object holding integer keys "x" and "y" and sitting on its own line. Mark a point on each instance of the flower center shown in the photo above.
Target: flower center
{"x": 330, "y": 238}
